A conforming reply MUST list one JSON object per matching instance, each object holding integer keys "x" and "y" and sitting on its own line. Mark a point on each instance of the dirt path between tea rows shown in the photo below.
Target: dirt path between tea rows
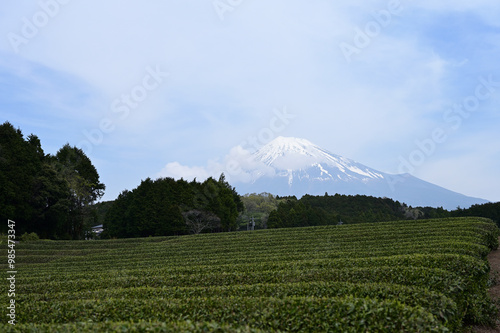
{"x": 494, "y": 260}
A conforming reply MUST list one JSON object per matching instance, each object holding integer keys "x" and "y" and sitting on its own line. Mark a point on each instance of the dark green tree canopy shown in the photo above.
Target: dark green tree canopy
{"x": 80, "y": 174}
{"x": 331, "y": 209}
{"x": 164, "y": 207}
{"x": 49, "y": 195}
{"x": 20, "y": 165}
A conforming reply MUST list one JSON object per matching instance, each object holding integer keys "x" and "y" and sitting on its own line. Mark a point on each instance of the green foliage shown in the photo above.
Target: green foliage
{"x": 126, "y": 326}
{"x": 82, "y": 179}
{"x": 487, "y": 210}
{"x": 328, "y": 210}
{"x": 160, "y": 208}
{"x": 20, "y": 164}
{"x": 258, "y": 206}
{"x": 31, "y": 237}
{"x": 49, "y": 195}
{"x": 411, "y": 276}
{"x": 295, "y": 314}
{"x": 80, "y": 174}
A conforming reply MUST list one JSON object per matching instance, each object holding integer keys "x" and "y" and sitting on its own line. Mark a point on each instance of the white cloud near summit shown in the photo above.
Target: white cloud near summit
{"x": 238, "y": 166}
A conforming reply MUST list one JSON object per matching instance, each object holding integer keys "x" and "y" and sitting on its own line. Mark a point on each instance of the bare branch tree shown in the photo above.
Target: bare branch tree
{"x": 199, "y": 220}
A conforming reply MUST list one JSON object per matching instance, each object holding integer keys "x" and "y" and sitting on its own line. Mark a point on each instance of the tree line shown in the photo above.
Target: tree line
{"x": 54, "y": 196}
{"x": 47, "y": 194}
{"x": 340, "y": 209}
{"x": 165, "y": 207}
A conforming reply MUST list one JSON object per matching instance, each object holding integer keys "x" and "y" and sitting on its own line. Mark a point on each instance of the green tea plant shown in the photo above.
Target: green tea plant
{"x": 411, "y": 276}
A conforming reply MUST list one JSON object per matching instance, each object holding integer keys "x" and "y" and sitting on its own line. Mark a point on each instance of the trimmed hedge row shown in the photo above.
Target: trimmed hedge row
{"x": 127, "y": 326}
{"x": 458, "y": 288}
{"x": 346, "y": 314}
{"x": 437, "y": 304}
{"x": 465, "y": 265}
{"x": 412, "y": 276}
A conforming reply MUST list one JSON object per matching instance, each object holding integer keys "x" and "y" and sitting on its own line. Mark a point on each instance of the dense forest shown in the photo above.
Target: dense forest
{"x": 166, "y": 207}
{"x": 46, "y": 194}
{"x": 340, "y": 209}
{"x": 489, "y": 210}
{"x": 334, "y": 209}
{"x": 270, "y": 211}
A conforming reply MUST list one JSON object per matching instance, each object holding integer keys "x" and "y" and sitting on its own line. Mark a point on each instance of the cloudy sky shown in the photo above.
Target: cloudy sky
{"x": 169, "y": 87}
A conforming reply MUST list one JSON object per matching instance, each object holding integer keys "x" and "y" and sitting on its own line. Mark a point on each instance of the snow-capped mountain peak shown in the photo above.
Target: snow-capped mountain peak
{"x": 295, "y": 154}
{"x": 283, "y": 147}
{"x": 297, "y": 167}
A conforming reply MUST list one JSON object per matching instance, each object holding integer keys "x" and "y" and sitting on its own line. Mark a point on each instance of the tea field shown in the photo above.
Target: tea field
{"x": 403, "y": 276}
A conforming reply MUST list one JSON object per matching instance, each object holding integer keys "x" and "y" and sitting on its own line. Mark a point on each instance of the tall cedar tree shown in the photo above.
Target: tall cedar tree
{"x": 82, "y": 179}
{"x": 49, "y": 195}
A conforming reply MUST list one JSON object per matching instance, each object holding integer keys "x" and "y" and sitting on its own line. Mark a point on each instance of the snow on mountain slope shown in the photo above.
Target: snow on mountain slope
{"x": 301, "y": 167}
{"x": 293, "y": 154}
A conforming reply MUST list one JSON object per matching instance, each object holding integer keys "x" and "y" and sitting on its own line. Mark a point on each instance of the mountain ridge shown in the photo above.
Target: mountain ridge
{"x": 301, "y": 167}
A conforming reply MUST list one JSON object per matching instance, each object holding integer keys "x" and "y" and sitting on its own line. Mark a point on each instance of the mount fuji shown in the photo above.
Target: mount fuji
{"x": 300, "y": 167}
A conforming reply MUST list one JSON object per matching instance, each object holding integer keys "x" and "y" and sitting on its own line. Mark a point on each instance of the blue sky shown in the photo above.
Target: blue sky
{"x": 140, "y": 86}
